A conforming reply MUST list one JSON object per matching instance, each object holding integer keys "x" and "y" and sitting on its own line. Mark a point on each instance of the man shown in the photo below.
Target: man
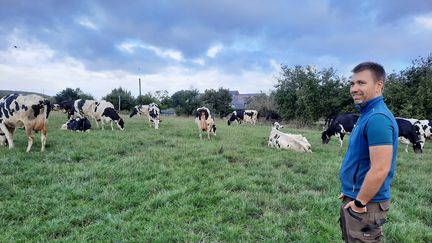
{"x": 370, "y": 160}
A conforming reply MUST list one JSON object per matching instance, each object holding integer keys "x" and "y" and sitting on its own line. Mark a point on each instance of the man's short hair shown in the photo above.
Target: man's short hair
{"x": 377, "y": 70}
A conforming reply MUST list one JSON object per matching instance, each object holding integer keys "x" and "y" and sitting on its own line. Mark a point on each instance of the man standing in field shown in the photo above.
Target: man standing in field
{"x": 370, "y": 160}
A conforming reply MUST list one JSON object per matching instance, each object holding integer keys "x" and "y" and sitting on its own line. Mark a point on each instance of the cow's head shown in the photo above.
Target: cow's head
{"x": 120, "y": 123}
{"x": 232, "y": 118}
{"x": 418, "y": 147}
{"x": 134, "y": 112}
{"x": 325, "y": 137}
{"x": 277, "y": 126}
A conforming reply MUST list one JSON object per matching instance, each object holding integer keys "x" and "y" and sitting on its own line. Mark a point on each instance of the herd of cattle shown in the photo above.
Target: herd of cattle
{"x": 411, "y": 131}
{"x": 31, "y": 113}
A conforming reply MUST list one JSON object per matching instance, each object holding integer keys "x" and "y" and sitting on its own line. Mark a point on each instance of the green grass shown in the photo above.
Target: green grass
{"x": 162, "y": 185}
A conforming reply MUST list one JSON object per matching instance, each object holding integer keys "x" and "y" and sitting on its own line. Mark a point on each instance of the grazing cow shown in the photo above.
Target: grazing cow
{"x": 408, "y": 135}
{"x": 28, "y": 111}
{"x": 77, "y": 124}
{"x": 205, "y": 122}
{"x": 140, "y": 110}
{"x": 249, "y": 116}
{"x": 341, "y": 125}
{"x": 280, "y": 140}
{"x": 104, "y": 111}
{"x": 154, "y": 113}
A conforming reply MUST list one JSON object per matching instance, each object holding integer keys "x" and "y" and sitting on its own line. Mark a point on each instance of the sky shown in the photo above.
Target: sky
{"x": 97, "y": 46}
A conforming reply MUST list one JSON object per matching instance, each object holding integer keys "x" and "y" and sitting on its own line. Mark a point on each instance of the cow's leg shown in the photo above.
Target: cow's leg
{"x": 340, "y": 136}
{"x": 30, "y": 137}
{"x": 8, "y": 134}
{"x": 43, "y": 137}
{"x": 96, "y": 121}
{"x": 208, "y": 134}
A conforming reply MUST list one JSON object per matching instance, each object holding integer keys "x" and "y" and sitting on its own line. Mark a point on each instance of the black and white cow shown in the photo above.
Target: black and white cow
{"x": 280, "y": 140}
{"x": 205, "y": 122}
{"x": 250, "y": 116}
{"x": 105, "y": 111}
{"x": 409, "y": 135}
{"x": 341, "y": 125}
{"x": 77, "y": 124}
{"x": 140, "y": 110}
{"x": 28, "y": 111}
{"x": 68, "y": 108}
{"x": 154, "y": 118}
{"x": 427, "y": 127}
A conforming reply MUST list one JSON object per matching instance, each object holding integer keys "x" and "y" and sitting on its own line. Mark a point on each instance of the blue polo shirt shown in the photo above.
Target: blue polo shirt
{"x": 375, "y": 126}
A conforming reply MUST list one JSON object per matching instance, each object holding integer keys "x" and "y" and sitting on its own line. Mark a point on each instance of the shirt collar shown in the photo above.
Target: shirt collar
{"x": 363, "y": 108}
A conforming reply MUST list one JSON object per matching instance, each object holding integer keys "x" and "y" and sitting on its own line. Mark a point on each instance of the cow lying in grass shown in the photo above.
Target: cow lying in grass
{"x": 205, "y": 122}
{"x": 280, "y": 140}
{"x": 24, "y": 111}
{"x": 77, "y": 124}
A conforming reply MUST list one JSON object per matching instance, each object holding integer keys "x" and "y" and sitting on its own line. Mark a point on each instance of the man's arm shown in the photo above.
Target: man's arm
{"x": 381, "y": 158}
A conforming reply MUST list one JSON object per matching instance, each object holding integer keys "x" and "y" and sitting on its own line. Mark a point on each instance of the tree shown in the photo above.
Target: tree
{"x": 70, "y": 94}
{"x": 67, "y": 94}
{"x": 334, "y": 95}
{"x": 297, "y": 94}
{"x": 145, "y": 99}
{"x": 217, "y": 101}
{"x": 127, "y": 101}
{"x": 185, "y": 102}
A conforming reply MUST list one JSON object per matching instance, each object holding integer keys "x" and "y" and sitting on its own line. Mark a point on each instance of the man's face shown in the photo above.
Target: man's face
{"x": 364, "y": 88}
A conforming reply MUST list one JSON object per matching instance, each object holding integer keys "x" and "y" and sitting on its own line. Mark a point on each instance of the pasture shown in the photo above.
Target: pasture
{"x": 163, "y": 185}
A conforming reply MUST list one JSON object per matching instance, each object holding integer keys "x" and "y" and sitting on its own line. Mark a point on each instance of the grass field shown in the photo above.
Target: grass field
{"x": 164, "y": 185}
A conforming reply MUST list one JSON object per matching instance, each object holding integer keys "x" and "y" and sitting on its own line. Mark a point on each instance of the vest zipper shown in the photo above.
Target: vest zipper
{"x": 355, "y": 176}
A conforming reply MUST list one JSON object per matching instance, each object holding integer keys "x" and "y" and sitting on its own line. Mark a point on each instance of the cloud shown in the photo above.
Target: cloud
{"x": 424, "y": 21}
{"x": 84, "y": 21}
{"x": 214, "y": 50}
{"x": 119, "y": 41}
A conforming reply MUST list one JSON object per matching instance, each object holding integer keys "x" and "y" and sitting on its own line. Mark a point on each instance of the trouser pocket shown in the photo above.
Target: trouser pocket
{"x": 361, "y": 227}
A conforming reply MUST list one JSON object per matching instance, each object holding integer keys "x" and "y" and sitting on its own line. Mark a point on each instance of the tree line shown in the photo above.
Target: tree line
{"x": 185, "y": 102}
{"x": 305, "y": 94}
{"x": 302, "y": 93}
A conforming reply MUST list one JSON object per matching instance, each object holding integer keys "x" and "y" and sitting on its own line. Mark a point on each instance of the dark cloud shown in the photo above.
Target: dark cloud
{"x": 283, "y": 30}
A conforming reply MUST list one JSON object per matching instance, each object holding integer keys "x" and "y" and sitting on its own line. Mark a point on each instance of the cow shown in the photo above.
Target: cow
{"x": 68, "y": 108}
{"x": 56, "y": 107}
{"x": 77, "y": 124}
{"x": 205, "y": 122}
{"x": 280, "y": 140}
{"x": 341, "y": 125}
{"x": 140, "y": 110}
{"x": 427, "y": 128}
{"x": 24, "y": 111}
{"x": 409, "y": 135}
{"x": 153, "y": 115}
{"x": 250, "y": 116}
{"x": 104, "y": 111}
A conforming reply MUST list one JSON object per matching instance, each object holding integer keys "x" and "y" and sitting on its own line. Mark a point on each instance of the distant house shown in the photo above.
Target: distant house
{"x": 168, "y": 112}
{"x": 239, "y": 100}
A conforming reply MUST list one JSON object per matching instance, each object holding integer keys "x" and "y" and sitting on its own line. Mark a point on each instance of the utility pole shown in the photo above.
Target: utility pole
{"x": 119, "y": 104}
{"x": 139, "y": 86}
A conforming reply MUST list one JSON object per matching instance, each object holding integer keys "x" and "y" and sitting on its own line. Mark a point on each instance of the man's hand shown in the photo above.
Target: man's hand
{"x": 355, "y": 208}
{"x": 341, "y": 196}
